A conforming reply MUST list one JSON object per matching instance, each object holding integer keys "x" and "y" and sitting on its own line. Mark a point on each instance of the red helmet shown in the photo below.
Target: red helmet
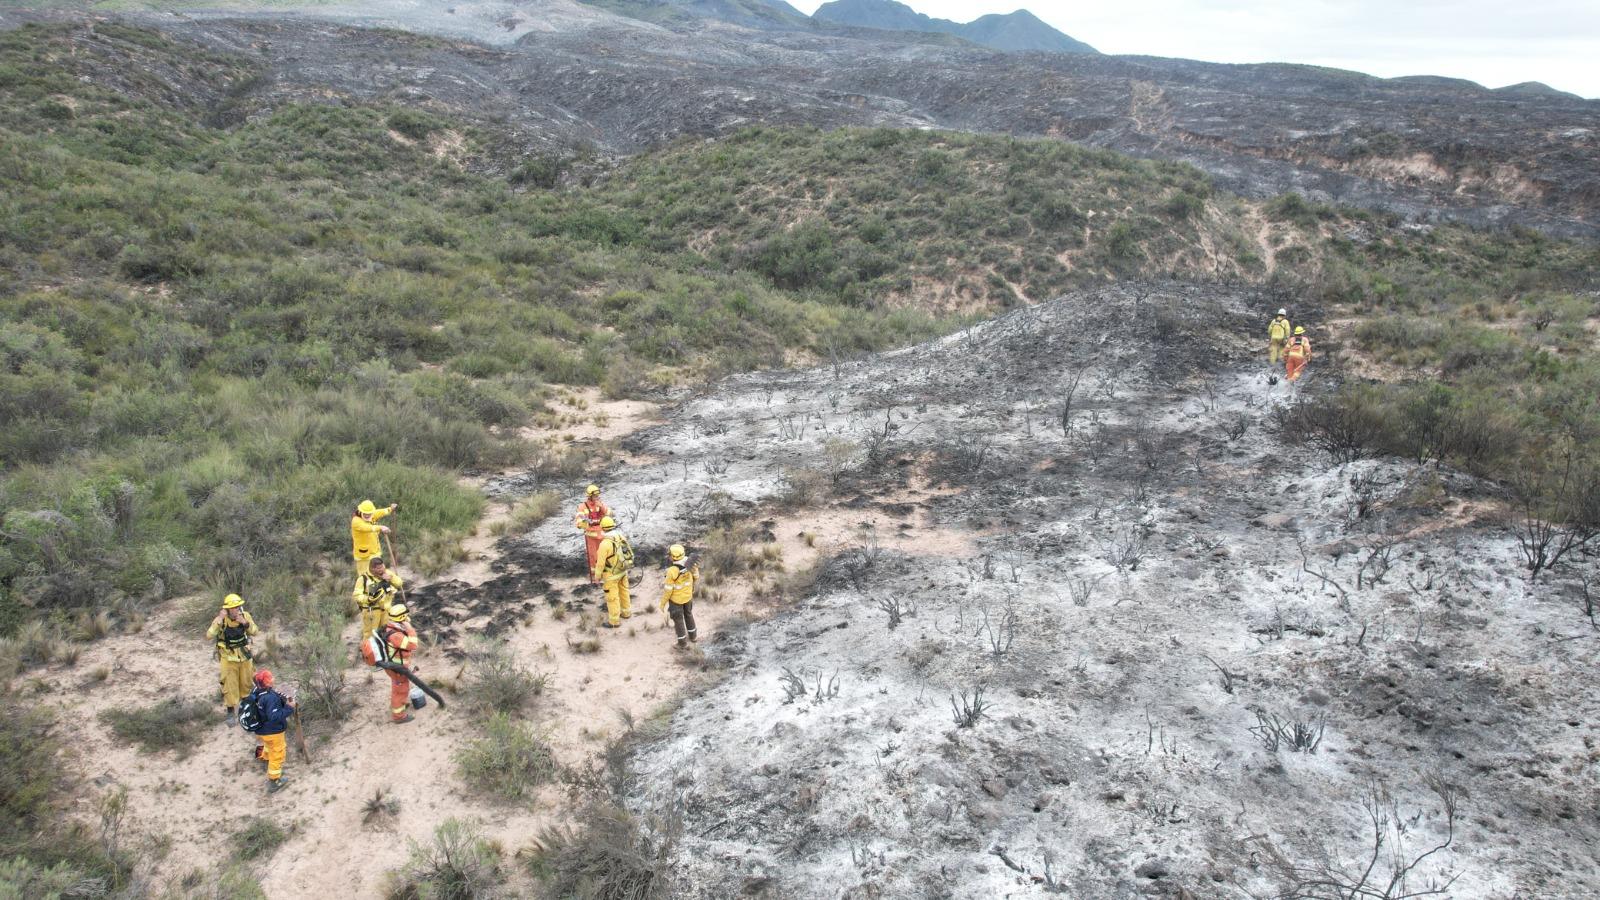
{"x": 264, "y": 678}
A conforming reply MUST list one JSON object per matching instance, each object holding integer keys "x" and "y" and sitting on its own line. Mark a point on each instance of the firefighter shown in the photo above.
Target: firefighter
{"x": 272, "y": 712}
{"x": 373, "y": 593}
{"x": 365, "y": 533}
{"x": 590, "y": 512}
{"x": 1277, "y": 337}
{"x": 397, "y": 641}
{"x": 232, "y": 630}
{"x": 677, "y": 600}
{"x": 612, "y": 561}
{"x": 1297, "y": 354}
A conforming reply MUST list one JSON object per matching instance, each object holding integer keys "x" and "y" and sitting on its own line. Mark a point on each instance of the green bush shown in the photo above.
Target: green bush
{"x": 496, "y": 684}
{"x": 508, "y": 762}
{"x": 458, "y": 864}
{"x": 39, "y": 852}
{"x": 258, "y": 839}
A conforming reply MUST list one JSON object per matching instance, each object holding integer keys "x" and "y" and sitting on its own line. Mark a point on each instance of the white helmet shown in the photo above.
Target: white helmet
{"x": 1283, "y": 312}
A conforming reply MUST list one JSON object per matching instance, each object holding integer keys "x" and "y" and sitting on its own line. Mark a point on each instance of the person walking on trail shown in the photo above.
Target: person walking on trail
{"x": 677, "y": 601}
{"x": 396, "y": 642}
{"x": 231, "y": 631}
{"x": 1277, "y": 337}
{"x": 265, "y": 713}
{"x": 1297, "y": 354}
{"x": 373, "y": 593}
{"x": 366, "y": 533}
{"x": 612, "y": 561}
{"x": 590, "y": 513}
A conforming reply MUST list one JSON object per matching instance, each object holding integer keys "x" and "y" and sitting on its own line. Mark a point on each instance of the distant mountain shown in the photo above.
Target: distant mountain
{"x": 1535, "y": 89}
{"x": 1013, "y": 32}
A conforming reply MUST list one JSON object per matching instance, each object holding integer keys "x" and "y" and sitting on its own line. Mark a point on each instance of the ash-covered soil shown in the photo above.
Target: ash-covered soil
{"x": 1151, "y": 589}
{"x": 557, "y": 73}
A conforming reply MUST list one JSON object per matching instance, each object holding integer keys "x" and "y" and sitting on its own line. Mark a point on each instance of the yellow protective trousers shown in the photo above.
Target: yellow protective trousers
{"x": 1275, "y": 350}
{"x": 372, "y": 620}
{"x": 274, "y": 749}
{"x": 238, "y": 679}
{"x": 618, "y": 604}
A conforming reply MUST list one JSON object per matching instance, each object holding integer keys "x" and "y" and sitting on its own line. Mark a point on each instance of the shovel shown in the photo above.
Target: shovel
{"x": 396, "y": 563}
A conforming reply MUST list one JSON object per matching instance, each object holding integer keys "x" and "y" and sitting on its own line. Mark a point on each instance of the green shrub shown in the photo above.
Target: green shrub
{"x": 171, "y": 724}
{"x": 458, "y": 864}
{"x": 508, "y": 762}
{"x": 412, "y": 123}
{"x": 39, "y": 852}
{"x": 23, "y": 879}
{"x": 1183, "y": 206}
{"x": 530, "y": 512}
{"x": 496, "y": 684}
{"x": 543, "y": 171}
{"x": 258, "y": 839}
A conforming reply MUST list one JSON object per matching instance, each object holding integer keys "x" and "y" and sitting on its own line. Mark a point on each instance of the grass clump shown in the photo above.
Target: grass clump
{"x": 258, "y": 839}
{"x": 508, "y": 762}
{"x": 170, "y": 724}
{"x": 529, "y": 513}
{"x": 380, "y": 810}
{"x": 458, "y": 864}
{"x": 495, "y": 684}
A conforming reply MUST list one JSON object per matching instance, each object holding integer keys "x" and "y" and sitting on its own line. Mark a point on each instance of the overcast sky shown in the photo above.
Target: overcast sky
{"x": 1492, "y": 42}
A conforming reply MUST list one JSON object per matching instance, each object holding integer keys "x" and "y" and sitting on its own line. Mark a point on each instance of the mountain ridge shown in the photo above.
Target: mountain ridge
{"x": 1014, "y": 32}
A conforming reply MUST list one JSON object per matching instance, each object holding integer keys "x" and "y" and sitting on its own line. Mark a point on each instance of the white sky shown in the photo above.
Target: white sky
{"x": 1492, "y": 42}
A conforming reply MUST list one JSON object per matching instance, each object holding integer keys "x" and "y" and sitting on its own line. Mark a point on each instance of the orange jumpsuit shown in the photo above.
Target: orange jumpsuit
{"x": 590, "y": 512}
{"x": 401, "y": 639}
{"x": 1296, "y": 355}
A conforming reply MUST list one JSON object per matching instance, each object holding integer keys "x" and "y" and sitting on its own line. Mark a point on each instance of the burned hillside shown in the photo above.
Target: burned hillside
{"x": 1187, "y": 654}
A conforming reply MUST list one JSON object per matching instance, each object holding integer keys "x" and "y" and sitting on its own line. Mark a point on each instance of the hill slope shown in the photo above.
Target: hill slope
{"x": 1013, "y": 32}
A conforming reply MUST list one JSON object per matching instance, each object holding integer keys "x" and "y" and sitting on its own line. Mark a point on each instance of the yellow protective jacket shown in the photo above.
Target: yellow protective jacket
{"x": 364, "y": 535}
{"x": 224, "y": 633}
{"x": 1279, "y": 330}
{"x": 372, "y": 592}
{"x": 680, "y": 584}
{"x": 609, "y": 563}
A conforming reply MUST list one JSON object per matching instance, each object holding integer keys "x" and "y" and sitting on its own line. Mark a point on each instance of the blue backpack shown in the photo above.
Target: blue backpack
{"x": 250, "y": 712}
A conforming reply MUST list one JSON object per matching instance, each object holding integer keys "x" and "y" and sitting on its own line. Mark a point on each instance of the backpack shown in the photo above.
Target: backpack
{"x": 250, "y": 711}
{"x": 624, "y": 552}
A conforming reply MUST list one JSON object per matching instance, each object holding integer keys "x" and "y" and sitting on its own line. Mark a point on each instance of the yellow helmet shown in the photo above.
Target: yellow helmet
{"x": 1299, "y": 329}
{"x": 608, "y": 523}
{"x": 676, "y": 551}
{"x": 591, "y": 490}
{"x": 232, "y": 601}
{"x": 367, "y": 508}
{"x": 399, "y": 613}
